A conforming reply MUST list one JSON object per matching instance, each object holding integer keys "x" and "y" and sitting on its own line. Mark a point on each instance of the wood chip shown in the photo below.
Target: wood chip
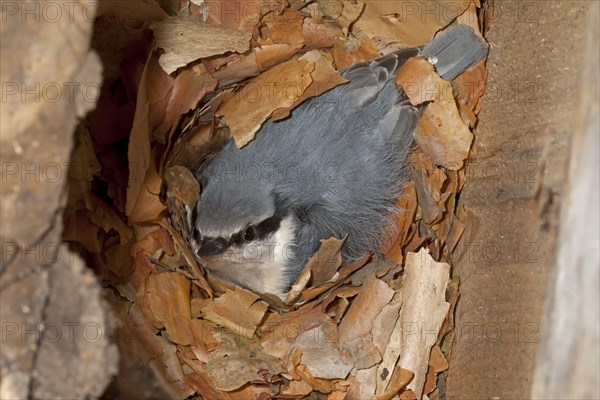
{"x": 148, "y": 205}
{"x": 138, "y": 153}
{"x": 405, "y": 20}
{"x": 400, "y": 378}
{"x": 441, "y": 132}
{"x": 278, "y": 87}
{"x": 423, "y": 311}
{"x": 167, "y": 296}
{"x": 342, "y": 13}
{"x": 320, "y": 352}
{"x": 443, "y": 135}
{"x": 186, "y": 39}
{"x": 239, "y": 311}
{"x": 324, "y": 78}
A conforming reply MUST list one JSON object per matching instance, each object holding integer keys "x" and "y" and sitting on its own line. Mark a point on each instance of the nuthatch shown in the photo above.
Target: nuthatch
{"x": 335, "y": 168}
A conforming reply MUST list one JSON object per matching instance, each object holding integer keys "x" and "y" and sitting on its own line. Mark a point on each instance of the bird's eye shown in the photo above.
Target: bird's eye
{"x": 249, "y": 233}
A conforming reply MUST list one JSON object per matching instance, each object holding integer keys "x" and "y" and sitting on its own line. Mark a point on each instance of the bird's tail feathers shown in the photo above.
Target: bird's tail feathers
{"x": 455, "y": 49}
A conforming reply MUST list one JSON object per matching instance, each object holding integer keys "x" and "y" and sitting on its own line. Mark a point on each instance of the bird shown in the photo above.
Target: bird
{"x": 334, "y": 168}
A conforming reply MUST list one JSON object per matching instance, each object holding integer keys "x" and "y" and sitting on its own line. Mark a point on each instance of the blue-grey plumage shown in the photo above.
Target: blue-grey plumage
{"x": 335, "y": 168}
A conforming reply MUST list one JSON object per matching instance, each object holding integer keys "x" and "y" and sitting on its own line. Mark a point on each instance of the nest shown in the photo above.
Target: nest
{"x": 377, "y": 328}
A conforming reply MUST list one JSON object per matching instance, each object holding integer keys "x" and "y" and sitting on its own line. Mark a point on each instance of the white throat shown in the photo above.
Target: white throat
{"x": 273, "y": 275}
{"x": 260, "y": 266}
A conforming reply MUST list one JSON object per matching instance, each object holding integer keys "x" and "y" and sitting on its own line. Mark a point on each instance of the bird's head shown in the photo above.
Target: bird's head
{"x": 241, "y": 232}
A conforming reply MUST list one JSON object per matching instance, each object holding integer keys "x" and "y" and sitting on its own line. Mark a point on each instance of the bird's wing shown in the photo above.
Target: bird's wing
{"x": 367, "y": 79}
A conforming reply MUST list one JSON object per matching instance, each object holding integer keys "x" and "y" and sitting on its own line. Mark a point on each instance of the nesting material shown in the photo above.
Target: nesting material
{"x": 371, "y": 329}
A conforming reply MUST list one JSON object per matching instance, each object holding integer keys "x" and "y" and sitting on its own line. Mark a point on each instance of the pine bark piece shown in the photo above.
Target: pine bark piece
{"x": 168, "y": 299}
{"x": 423, "y": 311}
{"x": 406, "y": 21}
{"x": 246, "y": 111}
{"x": 240, "y": 311}
{"x": 441, "y": 132}
{"x": 186, "y": 39}
{"x": 320, "y": 353}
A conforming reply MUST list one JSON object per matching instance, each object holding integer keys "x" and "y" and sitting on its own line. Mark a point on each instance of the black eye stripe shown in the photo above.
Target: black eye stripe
{"x": 213, "y": 246}
{"x": 261, "y": 230}
{"x": 268, "y": 226}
